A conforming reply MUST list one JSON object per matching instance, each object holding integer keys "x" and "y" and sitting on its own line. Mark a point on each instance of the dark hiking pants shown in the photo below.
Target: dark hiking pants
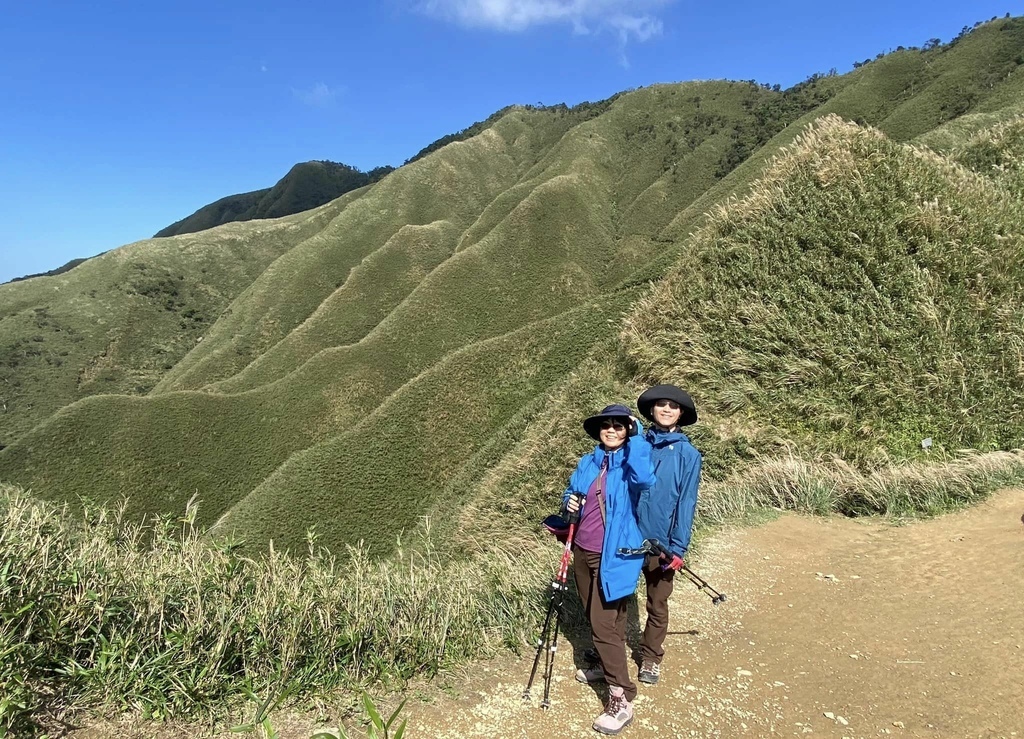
{"x": 607, "y": 620}
{"x": 659, "y": 588}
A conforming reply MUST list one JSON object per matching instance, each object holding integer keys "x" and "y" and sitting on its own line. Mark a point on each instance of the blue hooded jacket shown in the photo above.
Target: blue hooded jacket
{"x": 667, "y": 508}
{"x": 630, "y": 472}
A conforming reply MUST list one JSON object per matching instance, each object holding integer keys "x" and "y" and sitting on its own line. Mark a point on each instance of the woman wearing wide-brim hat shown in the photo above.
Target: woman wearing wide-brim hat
{"x": 666, "y": 509}
{"x": 610, "y": 481}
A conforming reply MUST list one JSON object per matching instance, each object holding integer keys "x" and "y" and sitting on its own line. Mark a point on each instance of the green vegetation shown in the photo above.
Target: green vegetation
{"x": 117, "y": 322}
{"x": 822, "y": 356}
{"x": 169, "y": 626}
{"x": 856, "y": 341}
{"x": 307, "y": 185}
{"x": 997, "y": 153}
{"x": 830, "y": 290}
{"x": 468, "y": 285}
{"x": 93, "y": 614}
{"x": 581, "y": 112}
{"x": 377, "y": 726}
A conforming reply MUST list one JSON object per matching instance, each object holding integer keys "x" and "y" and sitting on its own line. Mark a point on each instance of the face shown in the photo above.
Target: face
{"x": 666, "y": 413}
{"x": 613, "y": 433}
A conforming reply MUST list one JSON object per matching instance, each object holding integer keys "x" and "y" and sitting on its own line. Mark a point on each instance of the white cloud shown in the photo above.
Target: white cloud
{"x": 630, "y": 19}
{"x": 319, "y": 95}
{"x": 642, "y": 28}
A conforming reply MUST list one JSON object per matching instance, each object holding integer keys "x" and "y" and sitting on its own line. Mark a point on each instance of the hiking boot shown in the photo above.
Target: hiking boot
{"x": 617, "y": 715}
{"x": 592, "y": 674}
{"x": 649, "y": 672}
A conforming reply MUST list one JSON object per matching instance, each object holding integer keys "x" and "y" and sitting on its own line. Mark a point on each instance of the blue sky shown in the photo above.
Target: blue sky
{"x": 118, "y": 118}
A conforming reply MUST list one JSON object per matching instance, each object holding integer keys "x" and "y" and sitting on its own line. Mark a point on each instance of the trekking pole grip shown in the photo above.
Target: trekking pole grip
{"x": 574, "y": 517}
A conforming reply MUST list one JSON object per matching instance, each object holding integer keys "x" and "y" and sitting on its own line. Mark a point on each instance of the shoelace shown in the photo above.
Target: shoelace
{"x": 616, "y": 703}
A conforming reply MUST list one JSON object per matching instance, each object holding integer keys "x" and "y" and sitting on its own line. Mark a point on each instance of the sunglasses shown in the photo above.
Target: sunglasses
{"x": 665, "y": 403}
{"x": 617, "y": 425}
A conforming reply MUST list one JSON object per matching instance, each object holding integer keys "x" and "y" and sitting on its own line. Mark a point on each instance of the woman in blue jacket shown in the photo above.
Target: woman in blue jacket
{"x": 610, "y": 481}
{"x": 666, "y": 509}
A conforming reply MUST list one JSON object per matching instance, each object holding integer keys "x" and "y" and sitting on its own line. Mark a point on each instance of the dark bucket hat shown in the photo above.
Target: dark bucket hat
{"x": 592, "y": 425}
{"x": 646, "y": 401}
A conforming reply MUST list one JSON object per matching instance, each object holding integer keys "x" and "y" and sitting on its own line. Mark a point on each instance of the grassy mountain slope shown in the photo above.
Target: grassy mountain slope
{"x": 455, "y": 184}
{"x": 863, "y": 292}
{"x": 375, "y": 287}
{"x": 548, "y": 241}
{"x": 119, "y": 321}
{"x": 859, "y": 341}
{"x": 457, "y": 288}
{"x": 857, "y": 293}
{"x": 555, "y": 248}
{"x": 306, "y": 186}
{"x": 390, "y": 468}
{"x": 997, "y": 153}
{"x": 906, "y": 94}
{"x": 863, "y": 296}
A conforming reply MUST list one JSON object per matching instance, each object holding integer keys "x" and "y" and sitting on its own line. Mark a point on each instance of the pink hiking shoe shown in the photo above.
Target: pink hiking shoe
{"x": 617, "y": 715}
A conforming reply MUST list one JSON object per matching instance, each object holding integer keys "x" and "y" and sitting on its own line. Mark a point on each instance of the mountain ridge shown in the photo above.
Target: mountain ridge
{"x": 305, "y": 186}
{"x": 419, "y": 308}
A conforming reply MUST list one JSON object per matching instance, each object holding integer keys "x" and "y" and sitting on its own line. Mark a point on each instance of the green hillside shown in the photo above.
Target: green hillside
{"x": 858, "y": 340}
{"x": 117, "y": 322}
{"x": 834, "y": 271}
{"x": 820, "y": 355}
{"x": 399, "y": 351}
{"x": 306, "y": 186}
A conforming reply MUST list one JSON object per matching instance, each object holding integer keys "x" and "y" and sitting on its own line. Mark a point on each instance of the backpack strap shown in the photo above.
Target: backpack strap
{"x": 602, "y": 478}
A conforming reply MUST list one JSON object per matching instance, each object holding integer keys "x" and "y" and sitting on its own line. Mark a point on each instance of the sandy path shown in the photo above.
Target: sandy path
{"x": 837, "y": 627}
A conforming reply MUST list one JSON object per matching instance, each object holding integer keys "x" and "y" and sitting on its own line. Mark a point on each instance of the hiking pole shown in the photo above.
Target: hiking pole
{"x": 702, "y": 584}
{"x": 653, "y": 546}
{"x": 547, "y": 642}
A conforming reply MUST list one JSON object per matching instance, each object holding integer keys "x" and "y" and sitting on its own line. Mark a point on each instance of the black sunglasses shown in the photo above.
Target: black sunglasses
{"x": 617, "y": 425}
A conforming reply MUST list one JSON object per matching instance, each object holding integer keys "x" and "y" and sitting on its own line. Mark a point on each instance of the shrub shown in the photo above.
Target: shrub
{"x": 94, "y": 613}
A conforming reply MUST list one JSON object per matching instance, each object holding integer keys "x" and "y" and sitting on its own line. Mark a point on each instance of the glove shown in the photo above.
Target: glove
{"x": 675, "y": 564}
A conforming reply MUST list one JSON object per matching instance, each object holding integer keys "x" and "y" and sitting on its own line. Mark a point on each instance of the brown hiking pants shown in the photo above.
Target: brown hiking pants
{"x": 659, "y": 588}
{"x": 607, "y": 620}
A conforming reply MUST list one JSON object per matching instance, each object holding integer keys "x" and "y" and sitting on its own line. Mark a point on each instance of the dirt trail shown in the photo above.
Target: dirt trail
{"x": 844, "y": 628}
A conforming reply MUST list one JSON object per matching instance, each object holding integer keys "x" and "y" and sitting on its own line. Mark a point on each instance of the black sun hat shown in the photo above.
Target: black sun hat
{"x": 645, "y": 402}
{"x": 592, "y": 425}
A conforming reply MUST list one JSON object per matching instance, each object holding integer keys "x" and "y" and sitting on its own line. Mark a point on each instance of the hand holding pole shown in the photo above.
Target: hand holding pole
{"x": 547, "y": 644}
{"x": 653, "y": 546}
